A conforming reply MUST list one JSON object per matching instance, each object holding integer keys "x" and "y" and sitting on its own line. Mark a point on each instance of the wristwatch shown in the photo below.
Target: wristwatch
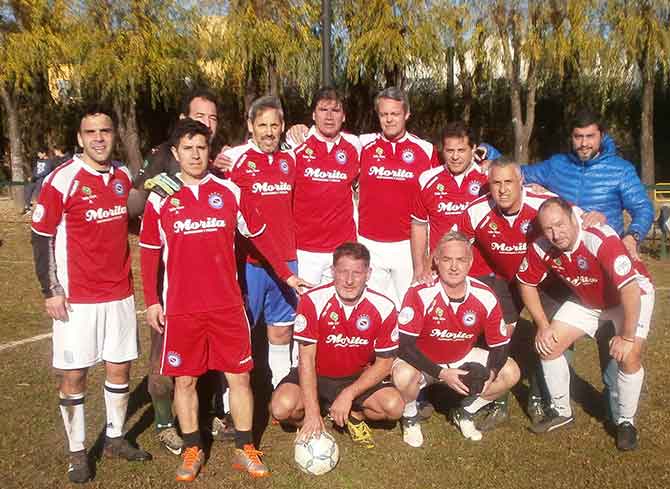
{"x": 634, "y": 234}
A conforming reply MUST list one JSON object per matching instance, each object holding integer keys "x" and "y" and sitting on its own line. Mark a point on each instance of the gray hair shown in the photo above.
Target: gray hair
{"x": 505, "y": 162}
{"x": 453, "y": 235}
{"x": 267, "y": 102}
{"x": 393, "y": 93}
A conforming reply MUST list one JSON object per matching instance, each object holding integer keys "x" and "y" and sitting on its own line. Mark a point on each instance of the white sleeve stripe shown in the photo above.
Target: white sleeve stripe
{"x": 387, "y": 349}
{"x": 529, "y": 284}
{"x": 407, "y": 332}
{"x": 150, "y": 246}
{"x": 302, "y": 338}
{"x": 500, "y": 344}
{"x": 42, "y": 234}
{"x": 629, "y": 279}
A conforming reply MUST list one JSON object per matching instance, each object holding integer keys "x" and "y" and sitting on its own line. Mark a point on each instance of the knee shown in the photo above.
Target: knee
{"x": 73, "y": 381}
{"x": 631, "y": 364}
{"x": 185, "y": 383}
{"x": 510, "y": 373}
{"x": 405, "y": 376}
{"x": 282, "y": 405}
{"x": 393, "y": 405}
{"x": 280, "y": 335}
{"x": 118, "y": 373}
{"x": 238, "y": 382}
{"x": 160, "y": 386}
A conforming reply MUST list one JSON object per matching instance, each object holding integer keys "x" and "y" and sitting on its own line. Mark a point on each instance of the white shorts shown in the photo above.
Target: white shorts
{"x": 588, "y": 319}
{"x": 477, "y": 355}
{"x": 315, "y": 267}
{"x": 96, "y": 332}
{"x": 391, "y": 265}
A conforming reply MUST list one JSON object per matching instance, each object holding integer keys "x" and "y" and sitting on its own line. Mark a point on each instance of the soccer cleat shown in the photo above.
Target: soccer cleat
{"x": 535, "y": 409}
{"x": 361, "y": 434}
{"x": 463, "y": 420}
{"x": 223, "y": 428}
{"x": 551, "y": 422}
{"x": 191, "y": 462}
{"x": 78, "y": 470}
{"x": 120, "y": 448}
{"x": 171, "y": 440}
{"x": 425, "y": 409}
{"x": 497, "y": 414}
{"x": 411, "y": 431}
{"x": 249, "y": 460}
{"x": 626, "y": 436}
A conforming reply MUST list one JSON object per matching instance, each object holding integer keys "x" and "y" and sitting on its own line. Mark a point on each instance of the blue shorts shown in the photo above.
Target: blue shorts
{"x": 267, "y": 294}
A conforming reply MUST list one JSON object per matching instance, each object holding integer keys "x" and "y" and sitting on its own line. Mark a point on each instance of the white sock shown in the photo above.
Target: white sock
{"x": 557, "y": 377}
{"x": 72, "y": 411}
{"x": 410, "y": 409}
{"x": 477, "y": 404}
{"x": 116, "y": 404}
{"x": 279, "y": 358}
{"x": 226, "y": 401}
{"x": 295, "y": 348}
{"x": 629, "y": 387}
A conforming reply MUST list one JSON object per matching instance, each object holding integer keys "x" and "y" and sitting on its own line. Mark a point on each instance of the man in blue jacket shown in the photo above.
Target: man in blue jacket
{"x": 593, "y": 177}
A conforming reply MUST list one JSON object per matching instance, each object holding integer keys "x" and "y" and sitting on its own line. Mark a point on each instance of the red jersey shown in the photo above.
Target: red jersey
{"x": 501, "y": 239}
{"x": 595, "y": 269}
{"x": 446, "y": 330}
{"x": 266, "y": 182}
{"x": 195, "y": 228}
{"x": 323, "y": 196}
{"x": 86, "y": 212}
{"x": 347, "y": 337}
{"x": 440, "y": 200}
{"x": 389, "y": 174}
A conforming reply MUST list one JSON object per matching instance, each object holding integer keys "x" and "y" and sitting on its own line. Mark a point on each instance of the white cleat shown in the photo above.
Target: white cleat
{"x": 411, "y": 432}
{"x": 464, "y": 422}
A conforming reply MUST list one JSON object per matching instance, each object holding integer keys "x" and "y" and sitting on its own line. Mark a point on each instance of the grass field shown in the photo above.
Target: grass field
{"x": 32, "y": 449}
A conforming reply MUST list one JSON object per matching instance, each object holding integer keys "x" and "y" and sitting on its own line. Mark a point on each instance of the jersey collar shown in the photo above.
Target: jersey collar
{"x": 401, "y": 139}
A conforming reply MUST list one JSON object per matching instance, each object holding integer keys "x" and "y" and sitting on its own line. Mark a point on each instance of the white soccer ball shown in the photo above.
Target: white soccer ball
{"x": 317, "y": 455}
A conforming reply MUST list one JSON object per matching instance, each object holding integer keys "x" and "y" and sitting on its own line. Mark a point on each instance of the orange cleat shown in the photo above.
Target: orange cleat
{"x": 249, "y": 460}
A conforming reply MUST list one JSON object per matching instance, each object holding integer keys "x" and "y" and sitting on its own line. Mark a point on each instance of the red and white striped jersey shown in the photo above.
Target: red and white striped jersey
{"x": 347, "y": 337}
{"x": 195, "y": 229}
{"x": 446, "y": 330}
{"x": 266, "y": 182}
{"x": 502, "y": 240}
{"x": 595, "y": 269}
{"x": 86, "y": 212}
{"x": 323, "y": 197}
{"x": 389, "y": 174}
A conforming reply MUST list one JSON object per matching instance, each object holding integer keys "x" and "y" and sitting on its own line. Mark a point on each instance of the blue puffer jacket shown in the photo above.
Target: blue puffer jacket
{"x": 606, "y": 183}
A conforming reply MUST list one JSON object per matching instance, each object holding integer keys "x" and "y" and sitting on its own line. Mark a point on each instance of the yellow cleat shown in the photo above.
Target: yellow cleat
{"x": 361, "y": 434}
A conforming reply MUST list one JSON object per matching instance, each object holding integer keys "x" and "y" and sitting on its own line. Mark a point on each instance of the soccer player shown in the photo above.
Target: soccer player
{"x": 391, "y": 162}
{"x": 82, "y": 260}
{"x": 341, "y": 327}
{"x": 595, "y": 264}
{"x": 265, "y": 175}
{"x": 327, "y": 165}
{"x": 203, "y": 321}
{"x": 440, "y": 324}
{"x": 41, "y": 169}
{"x": 158, "y": 174}
{"x": 441, "y": 197}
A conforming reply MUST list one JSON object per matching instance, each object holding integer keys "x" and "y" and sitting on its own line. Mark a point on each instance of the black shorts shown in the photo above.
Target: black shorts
{"x": 553, "y": 293}
{"x": 328, "y": 388}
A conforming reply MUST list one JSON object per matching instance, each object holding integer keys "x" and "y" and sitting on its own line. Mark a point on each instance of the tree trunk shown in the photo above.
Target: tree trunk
{"x": 15, "y": 145}
{"x": 129, "y": 133}
{"x": 465, "y": 80}
{"x": 647, "y": 125}
{"x": 521, "y": 136}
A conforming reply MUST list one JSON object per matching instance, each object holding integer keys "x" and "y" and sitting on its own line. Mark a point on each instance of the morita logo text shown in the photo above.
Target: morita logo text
{"x": 380, "y": 171}
{"x": 271, "y": 188}
{"x": 319, "y": 174}
{"x": 450, "y": 335}
{"x": 508, "y": 248}
{"x": 451, "y": 207}
{"x": 201, "y": 226}
{"x": 102, "y": 215}
{"x": 341, "y": 340}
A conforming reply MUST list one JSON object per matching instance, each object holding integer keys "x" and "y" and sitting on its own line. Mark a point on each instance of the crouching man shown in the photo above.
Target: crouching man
{"x": 439, "y": 325}
{"x": 348, "y": 341}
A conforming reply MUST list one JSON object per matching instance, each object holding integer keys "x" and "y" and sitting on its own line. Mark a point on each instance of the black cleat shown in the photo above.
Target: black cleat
{"x": 626, "y": 436}
{"x": 78, "y": 470}
{"x": 497, "y": 414}
{"x": 552, "y": 421}
{"x": 120, "y": 448}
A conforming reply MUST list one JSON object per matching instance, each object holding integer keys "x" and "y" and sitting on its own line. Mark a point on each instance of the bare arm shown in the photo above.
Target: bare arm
{"x": 312, "y": 424}
{"x": 419, "y": 245}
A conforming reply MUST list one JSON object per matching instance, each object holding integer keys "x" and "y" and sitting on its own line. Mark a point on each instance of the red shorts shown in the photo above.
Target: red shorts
{"x": 214, "y": 340}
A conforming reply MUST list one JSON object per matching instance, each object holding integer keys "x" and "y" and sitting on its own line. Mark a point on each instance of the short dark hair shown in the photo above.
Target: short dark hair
{"x": 355, "y": 251}
{"x": 559, "y": 201}
{"x": 327, "y": 93}
{"x": 95, "y": 109}
{"x": 458, "y": 129}
{"x": 586, "y": 117}
{"x": 261, "y": 104}
{"x": 188, "y": 127}
{"x": 202, "y": 93}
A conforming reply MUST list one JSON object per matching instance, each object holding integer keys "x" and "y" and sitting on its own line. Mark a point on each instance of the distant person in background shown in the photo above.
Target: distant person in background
{"x": 41, "y": 169}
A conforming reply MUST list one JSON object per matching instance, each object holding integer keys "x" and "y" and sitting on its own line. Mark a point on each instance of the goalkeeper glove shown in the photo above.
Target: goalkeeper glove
{"x": 163, "y": 184}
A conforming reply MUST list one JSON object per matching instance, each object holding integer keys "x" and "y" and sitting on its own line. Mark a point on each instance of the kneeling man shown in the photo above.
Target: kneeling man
{"x": 439, "y": 324}
{"x": 348, "y": 341}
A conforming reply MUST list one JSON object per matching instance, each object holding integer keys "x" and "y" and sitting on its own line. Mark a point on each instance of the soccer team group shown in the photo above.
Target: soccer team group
{"x": 379, "y": 266}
